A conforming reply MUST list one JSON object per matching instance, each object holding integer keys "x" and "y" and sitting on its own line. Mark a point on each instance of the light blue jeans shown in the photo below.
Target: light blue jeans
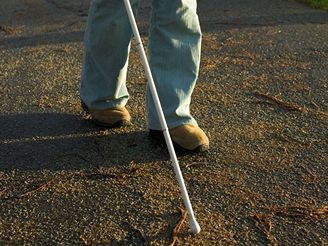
{"x": 173, "y": 53}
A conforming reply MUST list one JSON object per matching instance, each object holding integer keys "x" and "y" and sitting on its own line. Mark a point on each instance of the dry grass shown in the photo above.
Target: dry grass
{"x": 320, "y": 4}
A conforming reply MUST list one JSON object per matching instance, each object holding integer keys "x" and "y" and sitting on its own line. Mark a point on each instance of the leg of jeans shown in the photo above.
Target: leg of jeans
{"x": 106, "y": 49}
{"x": 174, "y": 56}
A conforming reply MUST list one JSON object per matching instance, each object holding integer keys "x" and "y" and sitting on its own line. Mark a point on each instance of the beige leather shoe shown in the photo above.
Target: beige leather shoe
{"x": 186, "y": 138}
{"x": 112, "y": 117}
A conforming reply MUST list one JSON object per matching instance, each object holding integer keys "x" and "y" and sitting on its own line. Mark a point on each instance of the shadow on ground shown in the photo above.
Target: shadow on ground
{"x": 58, "y": 141}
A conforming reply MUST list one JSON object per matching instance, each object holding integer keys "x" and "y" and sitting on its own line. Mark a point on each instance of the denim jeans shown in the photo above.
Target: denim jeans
{"x": 173, "y": 53}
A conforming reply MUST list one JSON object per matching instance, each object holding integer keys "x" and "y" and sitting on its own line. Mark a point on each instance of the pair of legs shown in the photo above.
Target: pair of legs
{"x": 173, "y": 52}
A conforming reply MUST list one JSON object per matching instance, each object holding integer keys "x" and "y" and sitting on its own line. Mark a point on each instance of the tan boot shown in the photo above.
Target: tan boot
{"x": 186, "y": 138}
{"x": 113, "y": 117}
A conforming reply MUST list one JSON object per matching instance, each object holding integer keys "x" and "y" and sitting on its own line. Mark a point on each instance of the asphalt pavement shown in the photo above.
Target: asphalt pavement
{"x": 261, "y": 97}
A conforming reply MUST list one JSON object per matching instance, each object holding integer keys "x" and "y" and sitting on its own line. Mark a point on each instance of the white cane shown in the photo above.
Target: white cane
{"x": 195, "y": 228}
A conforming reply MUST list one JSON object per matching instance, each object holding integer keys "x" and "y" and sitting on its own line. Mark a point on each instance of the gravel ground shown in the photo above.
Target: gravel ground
{"x": 261, "y": 97}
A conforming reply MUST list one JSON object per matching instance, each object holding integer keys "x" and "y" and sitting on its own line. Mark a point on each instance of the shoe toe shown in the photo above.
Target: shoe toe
{"x": 186, "y": 138}
{"x": 112, "y": 117}
{"x": 190, "y": 138}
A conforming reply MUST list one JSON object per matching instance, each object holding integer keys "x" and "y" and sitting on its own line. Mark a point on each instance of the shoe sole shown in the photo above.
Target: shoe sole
{"x": 119, "y": 123}
{"x": 159, "y": 137}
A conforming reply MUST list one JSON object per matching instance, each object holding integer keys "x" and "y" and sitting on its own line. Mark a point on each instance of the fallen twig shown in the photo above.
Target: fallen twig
{"x": 284, "y": 161}
{"x": 104, "y": 173}
{"x": 287, "y": 105}
{"x": 310, "y": 213}
{"x": 315, "y": 105}
{"x": 135, "y": 233}
{"x": 291, "y": 139}
{"x": 99, "y": 172}
{"x": 39, "y": 188}
{"x": 310, "y": 177}
{"x": 279, "y": 102}
{"x": 6, "y": 29}
{"x": 177, "y": 228}
{"x": 3, "y": 191}
{"x": 264, "y": 223}
{"x": 195, "y": 164}
{"x": 46, "y": 185}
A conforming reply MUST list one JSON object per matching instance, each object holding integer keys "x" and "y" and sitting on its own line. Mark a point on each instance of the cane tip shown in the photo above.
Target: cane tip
{"x": 195, "y": 228}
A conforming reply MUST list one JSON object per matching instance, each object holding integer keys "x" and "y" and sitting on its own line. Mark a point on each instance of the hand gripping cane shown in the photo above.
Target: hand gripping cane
{"x": 195, "y": 228}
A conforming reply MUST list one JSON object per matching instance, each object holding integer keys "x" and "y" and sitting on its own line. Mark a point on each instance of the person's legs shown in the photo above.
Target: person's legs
{"x": 174, "y": 56}
{"x": 105, "y": 60}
